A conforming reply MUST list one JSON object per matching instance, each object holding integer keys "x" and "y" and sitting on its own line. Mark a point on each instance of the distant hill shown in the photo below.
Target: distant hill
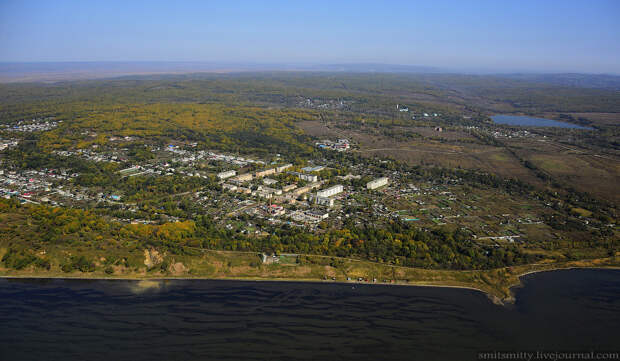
{"x": 62, "y": 71}
{"x": 377, "y": 68}
{"x": 66, "y": 71}
{"x": 596, "y": 81}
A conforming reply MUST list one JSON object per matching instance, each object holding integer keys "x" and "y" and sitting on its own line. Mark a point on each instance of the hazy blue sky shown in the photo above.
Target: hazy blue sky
{"x": 540, "y": 35}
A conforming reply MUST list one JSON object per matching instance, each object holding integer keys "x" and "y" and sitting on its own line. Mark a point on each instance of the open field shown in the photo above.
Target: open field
{"x": 450, "y": 148}
{"x": 583, "y": 169}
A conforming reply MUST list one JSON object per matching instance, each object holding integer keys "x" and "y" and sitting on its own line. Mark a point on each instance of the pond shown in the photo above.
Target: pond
{"x": 526, "y": 121}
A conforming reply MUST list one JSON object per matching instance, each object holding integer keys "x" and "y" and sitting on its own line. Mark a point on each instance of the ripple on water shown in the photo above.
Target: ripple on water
{"x": 187, "y": 320}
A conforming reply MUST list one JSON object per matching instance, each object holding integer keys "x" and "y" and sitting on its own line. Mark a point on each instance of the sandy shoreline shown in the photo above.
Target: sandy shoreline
{"x": 198, "y": 278}
{"x": 494, "y": 298}
{"x": 567, "y": 268}
{"x": 240, "y": 279}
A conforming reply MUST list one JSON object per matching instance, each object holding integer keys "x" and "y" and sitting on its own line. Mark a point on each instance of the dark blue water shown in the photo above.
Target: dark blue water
{"x": 230, "y": 320}
{"x": 525, "y": 121}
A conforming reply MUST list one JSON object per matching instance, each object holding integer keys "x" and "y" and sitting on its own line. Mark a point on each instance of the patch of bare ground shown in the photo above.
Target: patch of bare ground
{"x": 177, "y": 269}
{"x": 152, "y": 258}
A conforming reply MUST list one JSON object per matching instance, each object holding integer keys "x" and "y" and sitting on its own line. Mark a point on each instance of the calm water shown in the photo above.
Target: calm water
{"x": 526, "y": 121}
{"x": 228, "y": 320}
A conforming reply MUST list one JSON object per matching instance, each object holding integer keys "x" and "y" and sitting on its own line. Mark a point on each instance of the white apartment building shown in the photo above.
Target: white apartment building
{"x": 376, "y": 183}
{"x": 226, "y": 174}
{"x": 330, "y": 191}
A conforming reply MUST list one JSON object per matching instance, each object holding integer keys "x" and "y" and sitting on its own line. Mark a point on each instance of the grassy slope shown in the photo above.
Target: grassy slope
{"x": 203, "y": 264}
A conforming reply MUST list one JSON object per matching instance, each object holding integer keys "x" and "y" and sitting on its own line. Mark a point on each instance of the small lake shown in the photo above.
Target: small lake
{"x": 47, "y": 319}
{"x": 525, "y": 121}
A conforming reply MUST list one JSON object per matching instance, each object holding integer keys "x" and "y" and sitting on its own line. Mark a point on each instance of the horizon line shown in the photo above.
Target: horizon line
{"x": 305, "y": 67}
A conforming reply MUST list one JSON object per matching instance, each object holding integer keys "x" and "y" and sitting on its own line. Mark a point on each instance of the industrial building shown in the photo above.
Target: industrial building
{"x": 316, "y": 215}
{"x": 309, "y": 216}
{"x": 276, "y": 210}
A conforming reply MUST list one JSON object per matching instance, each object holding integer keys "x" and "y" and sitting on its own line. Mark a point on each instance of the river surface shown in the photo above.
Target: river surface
{"x": 525, "y": 121}
{"x": 236, "y": 320}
